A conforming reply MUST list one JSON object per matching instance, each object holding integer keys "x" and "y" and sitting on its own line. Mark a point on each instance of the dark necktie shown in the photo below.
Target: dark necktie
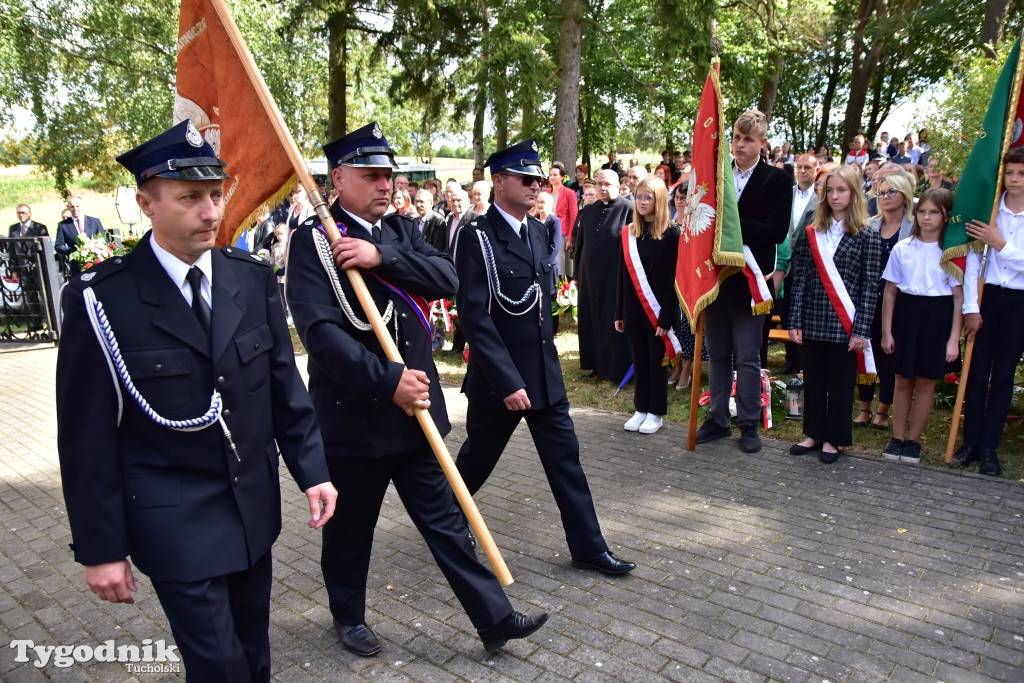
{"x": 376, "y": 233}
{"x": 199, "y": 305}
{"x": 524, "y": 234}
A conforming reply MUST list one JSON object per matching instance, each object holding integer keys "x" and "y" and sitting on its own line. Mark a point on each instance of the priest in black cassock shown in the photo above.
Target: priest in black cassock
{"x": 597, "y": 239}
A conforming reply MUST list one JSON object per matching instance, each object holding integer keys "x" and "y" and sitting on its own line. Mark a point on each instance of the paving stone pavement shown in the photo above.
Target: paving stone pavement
{"x": 751, "y": 568}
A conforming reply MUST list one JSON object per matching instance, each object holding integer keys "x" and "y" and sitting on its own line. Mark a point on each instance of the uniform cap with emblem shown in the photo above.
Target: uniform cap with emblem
{"x": 180, "y": 153}
{"x": 521, "y": 159}
{"x": 366, "y": 148}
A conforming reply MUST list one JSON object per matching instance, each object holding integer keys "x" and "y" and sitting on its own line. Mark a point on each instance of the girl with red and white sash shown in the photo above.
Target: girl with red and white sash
{"x": 836, "y": 268}
{"x": 646, "y": 307}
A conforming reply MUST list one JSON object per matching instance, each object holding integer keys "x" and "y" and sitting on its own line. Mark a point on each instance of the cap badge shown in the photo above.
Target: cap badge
{"x": 533, "y": 145}
{"x": 376, "y": 132}
{"x": 192, "y": 134}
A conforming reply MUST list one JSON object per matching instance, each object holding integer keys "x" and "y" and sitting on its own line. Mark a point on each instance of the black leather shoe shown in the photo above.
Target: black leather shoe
{"x": 965, "y": 455}
{"x": 515, "y": 625}
{"x": 750, "y": 442}
{"x": 990, "y": 464}
{"x": 358, "y": 639}
{"x": 797, "y": 449}
{"x": 828, "y": 458}
{"x": 711, "y": 431}
{"x": 606, "y": 563}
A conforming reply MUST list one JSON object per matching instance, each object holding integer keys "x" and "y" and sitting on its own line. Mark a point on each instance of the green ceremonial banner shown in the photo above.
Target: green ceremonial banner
{"x": 980, "y": 181}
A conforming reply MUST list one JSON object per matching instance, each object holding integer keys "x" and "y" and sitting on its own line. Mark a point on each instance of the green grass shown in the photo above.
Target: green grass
{"x": 19, "y": 185}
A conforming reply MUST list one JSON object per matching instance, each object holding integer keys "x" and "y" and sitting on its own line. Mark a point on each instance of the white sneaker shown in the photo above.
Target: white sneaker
{"x": 633, "y": 423}
{"x": 651, "y": 424}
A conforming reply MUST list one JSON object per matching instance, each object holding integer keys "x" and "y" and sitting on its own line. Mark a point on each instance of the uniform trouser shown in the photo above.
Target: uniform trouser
{"x": 733, "y": 337}
{"x": 221, "y": 625}
{"x": 650, "y": 390}
{"x": 427, "y": 497}
{"x": 997, "y": 350}
{"x": 830, "y": 371}
{"x": 488, "y": 429}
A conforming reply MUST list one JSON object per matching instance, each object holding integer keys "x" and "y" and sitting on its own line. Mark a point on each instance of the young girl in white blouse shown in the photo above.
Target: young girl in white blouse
{"x": 921, "y": 322}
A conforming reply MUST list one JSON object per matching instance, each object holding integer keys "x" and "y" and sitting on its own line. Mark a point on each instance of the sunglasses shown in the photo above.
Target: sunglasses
{"x": 526, "y": 180}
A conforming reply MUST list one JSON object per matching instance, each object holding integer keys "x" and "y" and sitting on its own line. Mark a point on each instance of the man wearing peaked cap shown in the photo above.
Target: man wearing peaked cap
{"x": 185, "y": 485}
{"x": 513, "y": 370}
{"x": 365, "y": 403}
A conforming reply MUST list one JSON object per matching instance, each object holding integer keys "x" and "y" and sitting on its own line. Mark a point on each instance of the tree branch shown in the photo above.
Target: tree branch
{"x": 629, "y": 72}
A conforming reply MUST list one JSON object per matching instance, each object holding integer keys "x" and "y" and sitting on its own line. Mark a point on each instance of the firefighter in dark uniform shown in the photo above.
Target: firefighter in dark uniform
{"x": 513, "y": 372}
{"x": 365, "y": 403}
{"x": 176, "y": 390}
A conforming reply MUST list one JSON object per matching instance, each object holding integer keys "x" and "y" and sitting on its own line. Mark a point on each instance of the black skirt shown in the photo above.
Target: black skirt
{"x": 920, "y": 329}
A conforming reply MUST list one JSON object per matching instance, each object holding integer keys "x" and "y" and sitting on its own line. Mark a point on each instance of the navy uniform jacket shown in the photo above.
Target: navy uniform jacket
{"x": 350, "y": 380}
{"x": 507, "y": 352}
{"x": 180, "y": 503}
{"x": 67, "y": 234}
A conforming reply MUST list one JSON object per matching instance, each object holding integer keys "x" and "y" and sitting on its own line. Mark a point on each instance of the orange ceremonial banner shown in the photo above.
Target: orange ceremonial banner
{"x": 214, "y": 91}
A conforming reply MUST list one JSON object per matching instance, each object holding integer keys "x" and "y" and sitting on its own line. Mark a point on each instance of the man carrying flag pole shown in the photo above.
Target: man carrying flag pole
{"x": 995, "y": 329}
{"x": 735, "y": 306}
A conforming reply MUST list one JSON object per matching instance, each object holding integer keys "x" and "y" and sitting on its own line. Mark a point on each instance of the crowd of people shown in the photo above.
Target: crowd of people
{"x": 848, "y": 253}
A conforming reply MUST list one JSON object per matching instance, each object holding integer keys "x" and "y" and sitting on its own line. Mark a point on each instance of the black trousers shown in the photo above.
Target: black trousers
{"x": 650, "y": 388}
{"x": 489, "y": 427}
{"x": 997, "y": 350}
{"x": 221, "y": 625}
{"x": 830, "y": 371}
{"x": 427, "y": 497}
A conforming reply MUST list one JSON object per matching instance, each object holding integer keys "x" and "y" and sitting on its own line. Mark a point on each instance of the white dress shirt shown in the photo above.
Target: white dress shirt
{"x": 1006, "y": 267}
{"x": 178, "y": 269}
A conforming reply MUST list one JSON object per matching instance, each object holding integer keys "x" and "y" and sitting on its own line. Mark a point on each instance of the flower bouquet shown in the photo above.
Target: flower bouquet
{"x": 92, "y": 250}
{"x": 565, "y": 297}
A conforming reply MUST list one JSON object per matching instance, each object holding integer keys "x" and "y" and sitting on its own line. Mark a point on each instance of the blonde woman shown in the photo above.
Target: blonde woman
{"x": 835, "y": 287}
{"x": 646, "y": 308}
{"x": 895, "y": 197}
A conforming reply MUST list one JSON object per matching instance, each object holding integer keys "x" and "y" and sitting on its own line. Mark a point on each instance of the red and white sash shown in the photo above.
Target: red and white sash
{"x": 842, "y": 303}
{"x": 760, "y": 295}
{"x": 648, "y": 301}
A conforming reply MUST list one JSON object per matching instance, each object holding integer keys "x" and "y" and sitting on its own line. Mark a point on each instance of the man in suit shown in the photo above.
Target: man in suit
{"x": 23, "y": 263}
{"x": 68, "y": 230}
{"x": 460, "y": 216}
{"x": 732, "y": 331}
{"x": 196, "y": 509}
{"x": 366, "y": 403}
{"x": 427, "y": 221}
{"x": 513, "y": 365}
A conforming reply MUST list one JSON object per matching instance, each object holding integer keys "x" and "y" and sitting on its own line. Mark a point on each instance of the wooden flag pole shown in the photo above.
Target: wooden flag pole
{"x": 695, "y": 380}
{"x": 466, "y": 502}
{"x": 958, "y": 405}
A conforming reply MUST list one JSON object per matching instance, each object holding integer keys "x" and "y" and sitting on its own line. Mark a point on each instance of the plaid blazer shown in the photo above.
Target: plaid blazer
{"x": 857, "y": 259}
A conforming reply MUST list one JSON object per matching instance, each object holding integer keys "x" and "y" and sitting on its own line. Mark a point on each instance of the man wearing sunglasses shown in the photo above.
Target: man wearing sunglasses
{"x": 513, "y": 365}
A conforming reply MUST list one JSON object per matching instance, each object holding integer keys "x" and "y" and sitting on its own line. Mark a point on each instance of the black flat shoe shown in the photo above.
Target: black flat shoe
{"x": 965, "y": 455}
{"x": 515, "y": 625}
{"x": 359, "y": 639}
{"x": 829, "y": 458}
{"x": 797, "y": 449}
{"x": 606, "y": 563}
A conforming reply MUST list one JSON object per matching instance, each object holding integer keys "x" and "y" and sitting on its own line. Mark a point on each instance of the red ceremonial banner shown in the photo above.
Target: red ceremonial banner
{"x": 214, "y": 91}
{"x": 711, "y": 248}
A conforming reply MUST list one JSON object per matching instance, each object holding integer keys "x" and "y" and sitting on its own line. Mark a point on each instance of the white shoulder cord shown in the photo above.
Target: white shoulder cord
{"x": 495, "y": 284}
{"x": 112, "y": 354}
{"x": 323, "y": 250}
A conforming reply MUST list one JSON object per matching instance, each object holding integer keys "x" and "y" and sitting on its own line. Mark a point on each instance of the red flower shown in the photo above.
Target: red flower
{"x": 951, "y": 378}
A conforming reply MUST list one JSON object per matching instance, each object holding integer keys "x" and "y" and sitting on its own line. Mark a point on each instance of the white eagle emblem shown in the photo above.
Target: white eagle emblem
{"x": 1018, "y": 126}
{"x": 377, "y": 132}
{"x": 697, "y": 217}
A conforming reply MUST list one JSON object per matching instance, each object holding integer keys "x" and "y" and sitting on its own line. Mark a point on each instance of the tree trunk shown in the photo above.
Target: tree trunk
{"x": 865, "y": 61}
{"x": 874, "y": 117}
{"x": 771, "y": 87}
{"x": 499, "y": 97}
{"x": 337, "y": 74}
{"x": 992, "y": 26}
{"x": 830, "y": 93}
{"x": 585, "y": 136}
{"x": 567, "y": 97}
{"x": 480, "y": 103}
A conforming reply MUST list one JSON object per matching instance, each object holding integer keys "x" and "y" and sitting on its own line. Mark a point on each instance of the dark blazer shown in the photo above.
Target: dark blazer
{"x": 66, "y": 240}
{"x": 34, "y": 230}
{"x": 442, "y": 241}
{"x": 433, "y": 229}
{"x": 765, "y": 208}
{"x": 659, "y": 261}
{"x": 810, "y": 310}
{"x": 350, "y": 380}
{"x": 180, "y": 503}
{"x": 507, "y": 352}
